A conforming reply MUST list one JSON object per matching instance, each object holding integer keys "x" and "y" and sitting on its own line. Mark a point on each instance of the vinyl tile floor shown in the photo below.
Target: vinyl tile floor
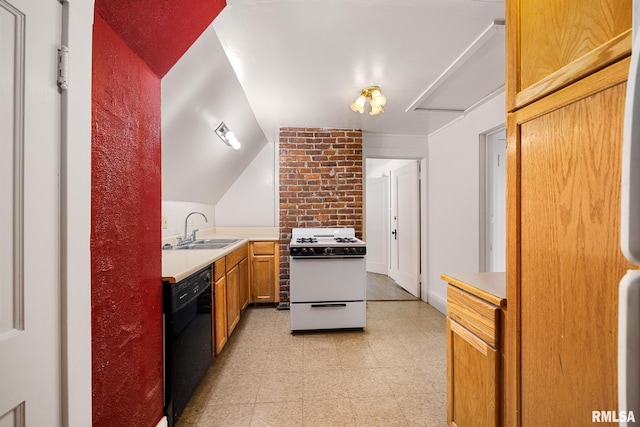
{"x": 391, "y": 374}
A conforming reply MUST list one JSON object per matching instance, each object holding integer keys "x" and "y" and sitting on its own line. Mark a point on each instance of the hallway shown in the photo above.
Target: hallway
{"x": 381, "y": 287}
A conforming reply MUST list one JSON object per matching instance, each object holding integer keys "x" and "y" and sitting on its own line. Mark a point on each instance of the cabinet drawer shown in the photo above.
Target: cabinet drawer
{"x": 236, "y": 256}
{"x": 218, "y": 269}
{"x": 263, "y": 248}
{"x": 474, "y": 314}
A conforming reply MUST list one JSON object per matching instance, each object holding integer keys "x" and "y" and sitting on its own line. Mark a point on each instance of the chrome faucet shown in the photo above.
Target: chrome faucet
{"x": 186, "y": 239}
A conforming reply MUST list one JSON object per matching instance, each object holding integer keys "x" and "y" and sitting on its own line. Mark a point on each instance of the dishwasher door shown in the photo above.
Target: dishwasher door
{"x": 188, "y": 340}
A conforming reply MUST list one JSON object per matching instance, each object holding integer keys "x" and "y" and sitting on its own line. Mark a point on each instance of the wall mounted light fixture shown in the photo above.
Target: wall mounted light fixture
{"x": 227, "y": 136}
{"x": 376, "y": 100}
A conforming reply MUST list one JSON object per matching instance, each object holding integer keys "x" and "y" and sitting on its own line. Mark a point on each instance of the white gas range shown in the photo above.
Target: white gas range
{"x": 328, "y": 282}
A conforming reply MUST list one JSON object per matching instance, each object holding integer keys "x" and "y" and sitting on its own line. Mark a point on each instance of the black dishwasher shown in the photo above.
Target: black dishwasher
{"x": 187, "y": 339}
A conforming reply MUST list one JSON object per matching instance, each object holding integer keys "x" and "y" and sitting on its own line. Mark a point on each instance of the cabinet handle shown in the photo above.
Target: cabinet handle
{"x": 327, "y": 305}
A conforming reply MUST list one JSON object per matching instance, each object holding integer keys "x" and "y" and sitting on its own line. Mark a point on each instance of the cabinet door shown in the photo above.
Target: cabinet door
{"x": 233, "y": 298}
{"x": 554, "y": 43}
{"x": 263, "y": 287}
{"x": 565, "y": 263}
{"x": 472, "y": 379}
{"x": 244, "y": 283}
{"x": 220, "y": 314}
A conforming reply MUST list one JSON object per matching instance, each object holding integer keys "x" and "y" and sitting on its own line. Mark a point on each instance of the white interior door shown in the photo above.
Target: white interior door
{"x": 404, "y": 266}
{"x": 378, "y": 225}
{"x": 30, "y": 360}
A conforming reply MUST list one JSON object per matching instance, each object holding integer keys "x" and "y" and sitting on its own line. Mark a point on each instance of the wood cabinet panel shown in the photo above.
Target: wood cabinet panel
{"x": 236, "y": 256}
{"x": 263, "y": 248}
{"x": 553, "y": 43}
{"x": 474, "y": 314}
{"x": 233, "y": 298}
{"x": 219, "y": 269}
{"x": 220, "y": 314}
{"x": 563, "y": 178}
{"x": 264, "y": 272}
{"x": 244, "y": 284}
{"x": 472, "y": 379}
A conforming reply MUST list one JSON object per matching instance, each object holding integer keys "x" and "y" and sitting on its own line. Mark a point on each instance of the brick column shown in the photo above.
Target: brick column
{"x": 321, "y": 185}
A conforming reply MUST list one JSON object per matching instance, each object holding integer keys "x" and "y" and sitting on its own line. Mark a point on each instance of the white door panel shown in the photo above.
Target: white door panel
{"x": 29, "y": 215}
{"x": 378, "y": 225}
{"x": 405, "y": 244}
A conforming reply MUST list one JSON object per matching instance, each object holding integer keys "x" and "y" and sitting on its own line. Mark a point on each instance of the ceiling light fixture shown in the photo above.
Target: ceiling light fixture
{"x": 227, "y": 136}
{"x": 376, "y": 100}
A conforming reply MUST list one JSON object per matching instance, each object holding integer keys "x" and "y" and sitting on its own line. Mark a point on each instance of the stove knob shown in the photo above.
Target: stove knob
{"x": 304, "y": 250}
{"x": 311, "y": 250}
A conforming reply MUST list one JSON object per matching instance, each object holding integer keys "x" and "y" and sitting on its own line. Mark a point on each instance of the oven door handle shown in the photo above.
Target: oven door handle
{"x": 328, "y": 305}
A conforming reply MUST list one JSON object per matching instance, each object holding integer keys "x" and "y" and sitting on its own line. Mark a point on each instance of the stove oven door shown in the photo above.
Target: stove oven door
{"x": 327, "y": 279}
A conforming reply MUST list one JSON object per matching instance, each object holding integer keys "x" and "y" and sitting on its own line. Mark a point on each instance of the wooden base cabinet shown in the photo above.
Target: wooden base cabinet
{"x": 474, "y": 361}
{"x": 219, "y": 306}
{"x": 265, "y": 278}
{"x": 231, "y": 292}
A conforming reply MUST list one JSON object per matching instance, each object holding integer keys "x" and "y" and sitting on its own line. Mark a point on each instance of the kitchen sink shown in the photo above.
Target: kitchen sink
{"x": 205, "y": 244}
{"x": 214, "y": 241}
{"x": 202, "y": 246}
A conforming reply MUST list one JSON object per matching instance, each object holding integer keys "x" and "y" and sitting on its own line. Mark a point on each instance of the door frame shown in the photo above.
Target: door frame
{"x": 75, "y": 217}
{"x": 484, "y": 181}
{"x": 403, "y": 147}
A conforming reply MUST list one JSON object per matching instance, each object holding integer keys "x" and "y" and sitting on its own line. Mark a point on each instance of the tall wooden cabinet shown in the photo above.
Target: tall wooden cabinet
{"x": 567, "y": 62}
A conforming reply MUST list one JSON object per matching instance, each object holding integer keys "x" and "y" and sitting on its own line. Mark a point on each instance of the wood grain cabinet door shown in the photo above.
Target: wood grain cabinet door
{"x": 264, "y": 272}
{"x": 233, "y": 298}
{"x": 565, "y": 262}
{"x": 472, "y": 379}
{"x": 553, "y": 43}
{"x": 244, "y": 283}
{"x": 220, "y": 314}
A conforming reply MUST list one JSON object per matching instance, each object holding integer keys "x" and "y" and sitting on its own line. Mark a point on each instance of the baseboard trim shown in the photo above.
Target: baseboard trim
{"x": 437, "y": 302}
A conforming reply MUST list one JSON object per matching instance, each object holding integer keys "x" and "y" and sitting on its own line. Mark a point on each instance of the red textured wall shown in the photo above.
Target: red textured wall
{"x": 126, "y": 261}
{"x": 159, "y": 31}
{"x": 321, "y": 185}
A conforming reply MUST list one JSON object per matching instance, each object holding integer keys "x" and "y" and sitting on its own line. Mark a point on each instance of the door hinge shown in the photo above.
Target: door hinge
{"x": 63, "y": 67}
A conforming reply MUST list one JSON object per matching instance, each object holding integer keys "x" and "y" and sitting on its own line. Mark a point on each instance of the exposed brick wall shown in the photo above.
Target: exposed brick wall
{"x": 321, "y": 185}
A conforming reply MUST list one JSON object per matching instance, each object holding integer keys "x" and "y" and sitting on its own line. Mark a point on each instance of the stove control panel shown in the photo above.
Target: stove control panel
{"x": 328, "y": 251}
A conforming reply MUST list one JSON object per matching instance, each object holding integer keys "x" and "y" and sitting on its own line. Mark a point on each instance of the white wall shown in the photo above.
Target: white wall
{"x": 454, "y": 192}
{"x": 175, "y": 213}
{"x": 251, "y": 200}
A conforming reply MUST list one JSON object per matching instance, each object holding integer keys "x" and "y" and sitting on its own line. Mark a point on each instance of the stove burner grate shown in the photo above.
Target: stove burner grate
{"x": 345, "y": 240}
{"x": 306, "y": 240}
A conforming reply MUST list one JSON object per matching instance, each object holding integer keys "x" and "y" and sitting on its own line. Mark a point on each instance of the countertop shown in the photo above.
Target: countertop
{"x": 179, "y": 264}
{"x": 490, "y": 287}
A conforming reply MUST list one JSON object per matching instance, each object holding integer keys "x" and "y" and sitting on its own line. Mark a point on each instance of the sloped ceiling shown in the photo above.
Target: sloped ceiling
{"x": 159, "y": 31}
{"x": 198, "y": 93}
